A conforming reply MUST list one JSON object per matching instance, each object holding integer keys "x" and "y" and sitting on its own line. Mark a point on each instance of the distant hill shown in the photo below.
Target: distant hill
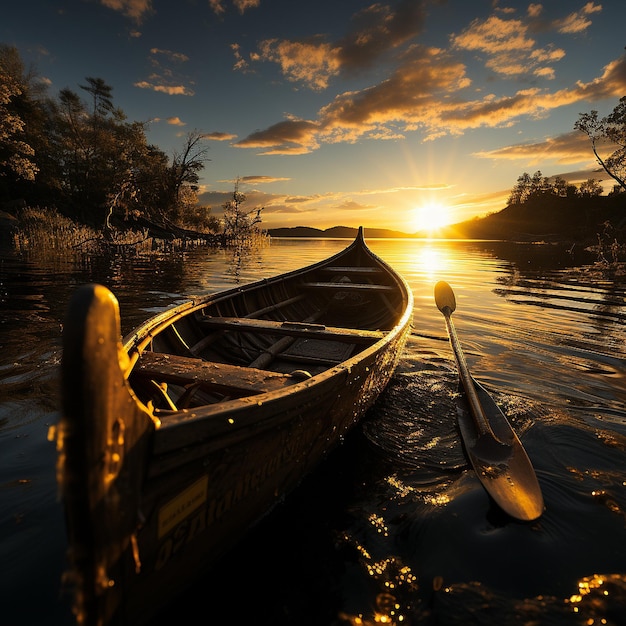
{"x": 549, "y": 219}
{"x": 336, "y": 232}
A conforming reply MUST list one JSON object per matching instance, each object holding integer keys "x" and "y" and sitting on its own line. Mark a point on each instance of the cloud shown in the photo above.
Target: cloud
{"x": 579, "y": 176}
{"x": 426, "y": 93}
{"x": 510, "y": 49}
{"x": 572, "y": 147}
{"x": 578, "y": 21}
{"x": 165, "y": 77}
{"x": 313, "y": 62}
{"x": 545, "y": 72}
{"x": 135, "y": 9}
{"x": 380, "y": 28}
{"x": 479, "y": 203}
{"x": 288, "y": 137}
{"x": 175, "y": 121}
{"x": 413, "y": 96}
{"x": 287, "y": 209}
{"x": 177, "y": 57}
{"x": 243, "y": 5}
{"x": 219, "y": 136}
{"x": 271, "y": 203}
{"x": 611, "y": 83}
{"x": 261, "y": 180}
{"x": 310, "y": 63}
{"x": 351, "y": 205}
{"x": 218, "y": 6}
{"x": 494, "y": 36}
{"x": 240, "y": 62}
{"x": 171, "y": 90}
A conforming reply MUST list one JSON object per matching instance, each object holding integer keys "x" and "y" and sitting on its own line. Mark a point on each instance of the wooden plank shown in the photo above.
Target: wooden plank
{"x": 198, "y": 347}
{"x": 293, "y": 329}
{"x": 180, "y": 370}
{"x": 333, "y": 269}
{"x": 339, "y": 286}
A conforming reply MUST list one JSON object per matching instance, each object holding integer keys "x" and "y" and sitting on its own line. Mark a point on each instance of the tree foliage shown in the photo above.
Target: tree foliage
{"x": 16, "y": 152}
{"x": 239, "y": 222}
{"x": 608, "y": 131}
{"x": 528, "y": 188}
{"x": 79, "y": 153}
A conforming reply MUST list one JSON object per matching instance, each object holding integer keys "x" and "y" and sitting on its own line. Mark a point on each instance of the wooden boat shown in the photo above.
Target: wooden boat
{"x": 174, "y": 441}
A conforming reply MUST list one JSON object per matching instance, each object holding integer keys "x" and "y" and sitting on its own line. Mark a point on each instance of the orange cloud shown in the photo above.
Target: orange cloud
{"x": 310, "y": 63}
{"x": 379, "y": 28}
{"x": 164, "y": 78}
{"x": 219, "y": 136}
{"x": 428, "y": 91}
{"x": 572, "y": 147}
{"x": 178, "y": 57}
{"x": 241, "y": 5}
{"x": 578, "y": 21}
{"x": 511, "y": 50}
{"x": 494, "y": 36}
{"x": 413, "y": 99}
{"x": 260, "y": 180}
{"x": 287, "y": 137}
{"x": 135, "y": 9}
{"x": 171, "y": 90}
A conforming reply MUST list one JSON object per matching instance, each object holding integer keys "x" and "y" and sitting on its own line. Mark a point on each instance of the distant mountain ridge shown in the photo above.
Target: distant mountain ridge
{"x": 336, "y": 232}
{"x": 552, "y": 219}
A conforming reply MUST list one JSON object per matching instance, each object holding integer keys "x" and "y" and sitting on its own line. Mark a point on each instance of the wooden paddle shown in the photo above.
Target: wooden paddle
{"x": 493, "y": 448}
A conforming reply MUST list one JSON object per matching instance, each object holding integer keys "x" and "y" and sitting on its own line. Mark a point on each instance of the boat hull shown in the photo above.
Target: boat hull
{"x": 226, "y": 489}
{"x": 155, "y": 495}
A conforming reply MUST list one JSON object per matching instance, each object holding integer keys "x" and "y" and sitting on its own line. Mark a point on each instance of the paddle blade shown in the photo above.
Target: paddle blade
{"x": 506, "y": 473}
{"x": 490, "y": 450}
{"x": 512, "y": 485}
{"x": 444, "y": 297}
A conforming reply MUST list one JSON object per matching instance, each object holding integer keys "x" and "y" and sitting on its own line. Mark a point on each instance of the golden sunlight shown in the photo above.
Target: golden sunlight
{"x": 430, "y": 261}
{"x": 429, "y": 218}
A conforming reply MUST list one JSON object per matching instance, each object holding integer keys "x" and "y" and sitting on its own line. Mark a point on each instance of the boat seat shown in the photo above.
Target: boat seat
{"x": 294, "y": 329}
{"x": 334, "y": 269}
{"x": 339, "y": 286}
{"x": 221, "y": 377}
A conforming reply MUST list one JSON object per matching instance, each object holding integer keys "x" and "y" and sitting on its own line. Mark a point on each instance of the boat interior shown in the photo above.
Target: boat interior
{"x": 265, "y": 336}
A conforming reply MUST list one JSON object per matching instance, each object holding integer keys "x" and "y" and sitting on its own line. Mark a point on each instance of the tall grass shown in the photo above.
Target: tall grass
{"x": 46, "y": 231}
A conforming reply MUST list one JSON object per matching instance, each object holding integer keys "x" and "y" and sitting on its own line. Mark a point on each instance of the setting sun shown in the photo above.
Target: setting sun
{"x": 431, "y": 217}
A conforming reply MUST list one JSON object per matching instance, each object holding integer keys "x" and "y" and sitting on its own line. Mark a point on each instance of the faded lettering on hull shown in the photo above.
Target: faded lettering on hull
{"x": 180, "y": 507}
{"x": 196, "y": 508}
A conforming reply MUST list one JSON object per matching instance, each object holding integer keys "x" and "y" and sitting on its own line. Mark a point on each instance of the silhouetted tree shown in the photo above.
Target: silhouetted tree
{"x": 612, "y": 130}
{"x": 180, "y": 187}
{"x": 238, "y": 223}
{"x": 559, "y": 186}
{"x": 528, "y": 187}
{"x": 591, "y": 188}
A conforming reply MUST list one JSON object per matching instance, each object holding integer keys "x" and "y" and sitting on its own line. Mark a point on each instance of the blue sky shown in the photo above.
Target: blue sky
{"x": 345, "y": 112}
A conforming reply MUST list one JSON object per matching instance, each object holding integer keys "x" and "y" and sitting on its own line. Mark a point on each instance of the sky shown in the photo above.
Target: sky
{"x": 397, "y": 114}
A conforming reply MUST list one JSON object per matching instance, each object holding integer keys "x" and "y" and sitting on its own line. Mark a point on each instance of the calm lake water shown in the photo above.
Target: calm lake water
{"x": 394, "y": 528}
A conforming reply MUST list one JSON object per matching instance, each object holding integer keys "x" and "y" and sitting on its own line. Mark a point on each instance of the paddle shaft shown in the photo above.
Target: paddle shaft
{"x": 480, "y": 419}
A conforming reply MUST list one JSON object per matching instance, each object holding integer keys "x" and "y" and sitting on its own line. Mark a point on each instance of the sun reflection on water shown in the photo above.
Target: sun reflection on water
{"x": 430, "y": 261}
